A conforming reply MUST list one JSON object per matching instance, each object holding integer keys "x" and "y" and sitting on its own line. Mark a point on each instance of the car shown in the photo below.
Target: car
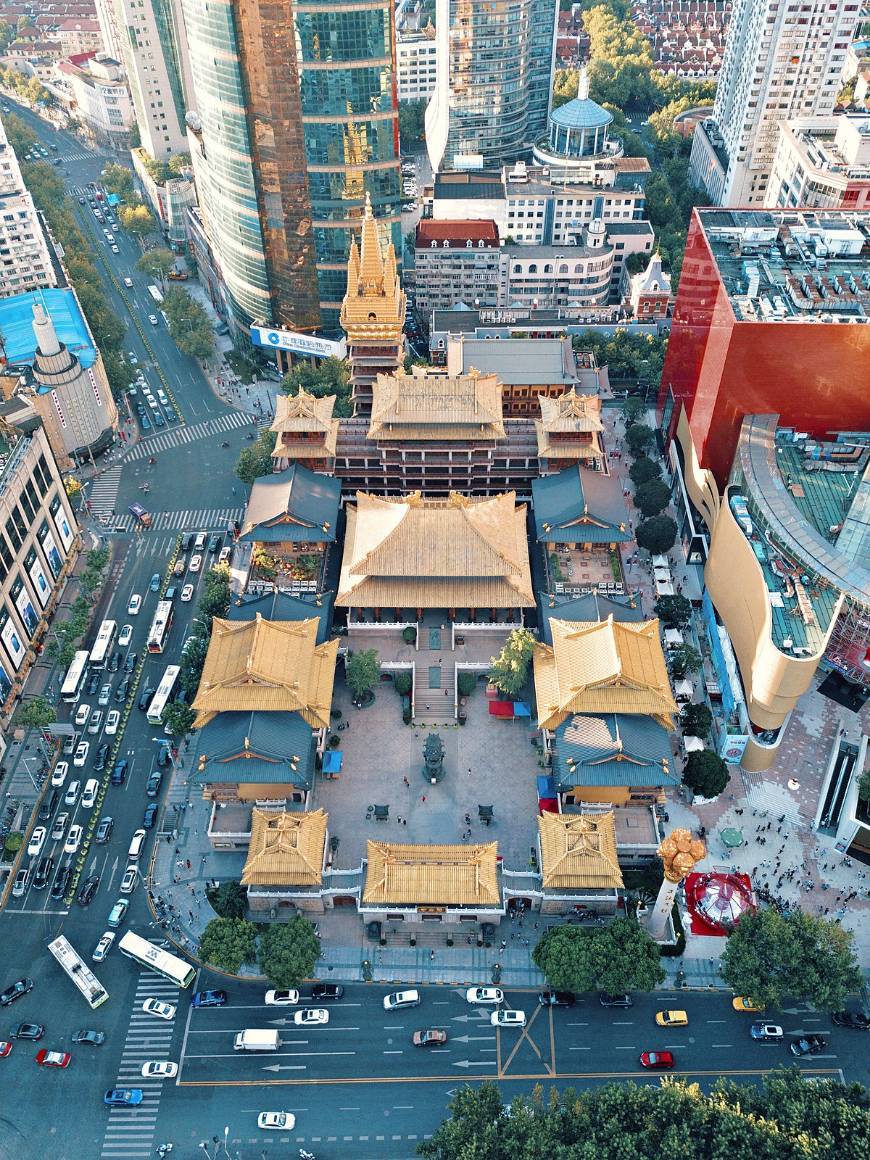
{"x": 89, "y": 1038}
{"x": 93, "y": 684}
{"x": 15, "y": 991}
{"x": 400, "y": 999}
{"x": 152, "y": 318}
{"x": 327, "y": 992}
{"x": 123, "y": 1097}
{"x": 47, "y": 1058}
{"x": 210, "y": 998}
{"x": 672, "y": 1019}
{"x": 214, "y": 542}
{"x": 807, "y": 1045}
{"x": 131, "y": 358}
{"x": 225, "y": 554}
{"x": 506, "y": 1017}
{"x": 144, "y": 422}
{"x": 180, "y": 566}
{"x": 187, "y": 593}
{"x": 5, "y": 1048}
{"x": 170, "y": 593}
{"x": 59, "y": 826}
{"x": 72, "y": 793}
{"x": 122, "y": 690}
{"x": 81, "y": 201}
{"x": 429, "y": 1038}
{"x": 158, "y": 1008}
{"x": 159, "y": 1069}
{"x": 195, "y": 563}
{"x": 150, "y": 815}
{"x": 119, "y": 773}
{"x": 186, "y": 541}
{"x": 557, "y": 998}
{"x": 130, "y": 880}
{"x": 155, "y": 582}
{"x": 115, "y": 249}
{"x": 62, "y": 880}
{"x": 32, "y": 1031}
{"x": 608, "y": 1000}
{"x": 88, "y": 889}
{"x": 853, "y": 1020}
{"x": 145, "y": 697}
{"x": 152, "y": 789}
{"x": 125, "y": 635}
{"x": 159, "y": 421}
{"x": 59, "y": 773}
{"x": 70, "y": 743}
{"x": 37, "y": 841}
{"x": 161, "y": 395}
{"x": 106, "y": 690}
{"x": 128, "y": 282}
{"x": 82, "y": 714}
{"x": 81, "y": 754}
{"x": 281, "y": 998}
{"x": 104, "y": 830}
{"x": 113, "y": 720}
{"x": 19, "y": 887}
{"x": 484, "y": 995}
{"x": 117, "y": 913}
{"x": 277, "y": 1121}
{"x": 112, "y": 666}
{"x": 657, "y": 1060}
{"x": 164, "y": 755}
{"x": 744, "y": 1003}
{"x": 134, "y": 604}
{"x": 92, "y": 786}
{"x": 311, "y": 1017}
{"x": 768, "y": 1032}
{"x": 96, "y": 719}
{"x": 73, "y": 839}
{"x": 130, "y": 662}
{"x": 49, "y": 805}
{"x": 103, "y": 946}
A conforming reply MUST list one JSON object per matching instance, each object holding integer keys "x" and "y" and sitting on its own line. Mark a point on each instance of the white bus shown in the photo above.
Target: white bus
{"x": 164, "y": 691}
{"x": 76, "y": 969}
{"x": 103, "y": 644}
{"x": 71, "y": 689}
{"x": 158, "y": 634}
{"x": 155, "y": 294}
{"x": 148, "y": 954}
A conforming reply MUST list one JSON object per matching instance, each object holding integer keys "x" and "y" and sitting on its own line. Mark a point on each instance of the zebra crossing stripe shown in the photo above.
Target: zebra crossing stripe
{"x": 188, "y": 434}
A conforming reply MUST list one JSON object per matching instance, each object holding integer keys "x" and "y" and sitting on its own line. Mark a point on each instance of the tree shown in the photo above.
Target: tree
{"x": 137, "y": 220}
{"x": 696, "y": 720}
{"x": 510, "y": 669}
{"x": 864, "y": 786}
{"x": 215, "y": 599}
{"x": 652, "y": 497}
{"x": 36, "y": 714}
{"x": 289, "y": 952}
{"x": 705, "y": 773}
{"x": 402, "y": 683}
{"x": 625, "y": 354}
{"x": 619, "y": 957}
{"x": 632, "y": 409}
{"x": 179, "y": 164}
{"x": 411, "y": 123}
{"x": 363, "y": 671}
{"x": 643, "y": 470}
{"x": 156, "y": 263}
{"x": 639, "y": 437}
{"x": 799, "y": 956}
{"x": 675, "y": 611}
{"x": 118, "y": 179}
{"x": 329, "y": 376}
{"x": 684, "y": 659}
{"x": 256, "y": 460}
{"x": 227, "y": 943}
{"x": 229, "y": 900}
{"x": 564, "y": 86}
{"x": 178, "y": 718}
{"x": 189, "y": 324}
{"x": 657, "y": 535}
{"x": 193, "y": 660}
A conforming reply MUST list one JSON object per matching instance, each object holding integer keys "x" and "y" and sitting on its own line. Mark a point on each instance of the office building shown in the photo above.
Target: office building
{"x": 292, "y": 121}
{"x": 456, "y": 261}
{"x": 782, "y": 60}
{"x": 95, "y": 91}
{"x": 25, "y": 262}
{"x": 494, "y": 81}
{"x": 416, "y": 55}
{"x": 823, "y": 162}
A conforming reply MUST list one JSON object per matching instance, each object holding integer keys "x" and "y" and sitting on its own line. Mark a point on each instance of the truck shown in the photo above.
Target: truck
{"x": 256, "y": 1040}
{"x": 155, "y": 294}
{"x": 140, "y": 515}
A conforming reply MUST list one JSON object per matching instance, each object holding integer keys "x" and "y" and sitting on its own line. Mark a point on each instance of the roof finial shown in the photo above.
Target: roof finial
{"x": 583, "y": 84}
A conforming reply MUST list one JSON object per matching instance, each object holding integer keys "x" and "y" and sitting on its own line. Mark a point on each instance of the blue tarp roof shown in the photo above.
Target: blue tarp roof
{"x": 16, "y": 325}
{"x": 332, "y": 761}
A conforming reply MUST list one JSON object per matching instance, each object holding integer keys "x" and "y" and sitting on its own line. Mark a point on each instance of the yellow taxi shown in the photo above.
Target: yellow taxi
{"x": 672, "y": 1019}
{"x": 744, "y": 1003}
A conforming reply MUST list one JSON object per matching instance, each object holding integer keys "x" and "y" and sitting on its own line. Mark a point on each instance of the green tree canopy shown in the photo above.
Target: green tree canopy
{"x": 137, "y": 220}
{"x": 189, "y": 324}
{"x": 864, "y": 786}
{"x": 684, "y": 659}
{"x": 118, "y": 179}
{"x": 289, "y": 952}
{"x": 652, "y": 497}
{"x": 256, "y": 460}
{"x": 215, "y": 599}
{"x": 657, "y": 535}
{"x": 510, "y": 669}
{"x": 411, "y": 123}
{"x": 775, "y": 957}
{"x": 229, "y": 900}
{"x": 178, "y": 718}
{"x": 227, "y": 943}
{"x": 618, "y": 957}
{"x": 329, "y": 376}
{"x": 363, "y": 671}
{"x": 156, "y": 263}
{"x": 705, "y": 773}
{"x": 639, "y": 438}
{"x": 696, "y": 720}
{"x": 193, "y": 660}
{"x": 633, "y": 407}
{"x": 36, "y": 714}
{"x": 625, "y": 354}
{"x": 675, "y": 611}
{"x": 643, "y": 470}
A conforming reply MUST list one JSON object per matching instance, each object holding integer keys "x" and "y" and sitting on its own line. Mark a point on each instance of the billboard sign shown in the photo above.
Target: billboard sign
{"x": 732, "y": 747}
{"x": 297, "y": 343}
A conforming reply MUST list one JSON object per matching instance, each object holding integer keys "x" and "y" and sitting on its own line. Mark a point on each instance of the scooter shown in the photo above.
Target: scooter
{"x": 224, "y": 444}
{"x": 164, "y": 1149}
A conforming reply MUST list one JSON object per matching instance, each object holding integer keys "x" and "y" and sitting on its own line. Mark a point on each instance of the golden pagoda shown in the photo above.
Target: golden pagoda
{"x": 372, "y": 313}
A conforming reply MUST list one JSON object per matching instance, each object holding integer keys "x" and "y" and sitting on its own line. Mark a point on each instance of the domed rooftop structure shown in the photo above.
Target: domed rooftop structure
{"x": 579, "y": 128}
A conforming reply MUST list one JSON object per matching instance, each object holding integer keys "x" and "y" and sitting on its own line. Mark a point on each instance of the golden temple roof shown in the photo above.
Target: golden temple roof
{"x": 267, "y": 666}
{"x": 432, "y": 875}
{"x": 425, "y": 405}
{"x": 607, "y": 666}
{"x": 286, "y": 849}
{"x": 374, "y": 303}
{"x": 303, "y": 413}
{"x": 578, "y": 851}
{"x": 435, "y": 553}
{"x": 566, "y": 415}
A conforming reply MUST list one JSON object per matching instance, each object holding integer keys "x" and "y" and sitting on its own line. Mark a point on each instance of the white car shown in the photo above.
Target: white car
{"x": 82, "y": 714}
{"x": 105, "y": 695}
{"x": 128, "y": 282}
{"x": 125, "y": 635}
{"x": 506, "y": 1018}
{"x": 92, "y": 788}
{"x": 103, "y": 946}
{"x": 277, "y": 1121}
{"x": 73, "y": 839}
{"x": 195, "y": 563}
{"x": 37, "y": 841}
{"x": 161, "y": 1010}
{"x": 59, "y": 826}
{"x": 187, "y": 593}
{"x": 72, "y": 793}
{"x": 281, "y": 998}
{"x": 161, "y": 395}
{"x": 130, "y": 879}
{"x": 81, "y": 754}
{"x": 134, "y": 605}
{"x": 311, "y": 1017}
{"x": 152, "y": 318}
{"x": 489, "y": 996}
{"x": 60, "y": 772}
{"x": 131, "y": 359}
{"x": 96, "y": 721}
{"x": 112, "y": 722}
{"x": 115, "y": 249}
{"x": 159, "y": 1069}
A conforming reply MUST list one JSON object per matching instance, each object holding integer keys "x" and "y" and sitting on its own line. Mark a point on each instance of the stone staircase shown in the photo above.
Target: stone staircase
{"x": 433, "y": 705}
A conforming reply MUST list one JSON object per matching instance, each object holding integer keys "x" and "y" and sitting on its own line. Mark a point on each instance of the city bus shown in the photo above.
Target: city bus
{"x": 164, "y": 691}
{"x": 78, "y": 971}
{"x": 155, "y": 294}
{"x": 160, "y": 626}
{"x": 148, "y": 954}
{"x": 71, "y": 689}
{"x": 103, "y": 644}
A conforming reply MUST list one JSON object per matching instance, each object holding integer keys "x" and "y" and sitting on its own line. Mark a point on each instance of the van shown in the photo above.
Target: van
{"x": 21, "y": 880}
{"x": 136, "y": 845}
{"x": 256, "y": 1040}
{"x": 199, "y": 542}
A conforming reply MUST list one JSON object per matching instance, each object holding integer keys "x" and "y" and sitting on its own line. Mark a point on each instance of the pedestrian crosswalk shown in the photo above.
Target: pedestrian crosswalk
{"x": 102, "y": 497}
{"x": 130, "y": 1130}
{"x": 190, "y": 433}
{"x": 204, "y": 519}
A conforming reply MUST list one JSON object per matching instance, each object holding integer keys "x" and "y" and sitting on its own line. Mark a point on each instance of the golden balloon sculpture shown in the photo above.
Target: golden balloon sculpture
{"x": 680, "y": 852}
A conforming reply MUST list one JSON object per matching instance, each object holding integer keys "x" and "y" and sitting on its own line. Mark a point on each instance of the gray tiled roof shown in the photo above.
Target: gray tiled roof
{"x": 308, "y": 497}
{"x": 283, "y": 606}
{"x": 612, "y": 749}
{"x": 271, "y": 738}
{"x": 558, "y": 499}
{"x": 590, "y": 608}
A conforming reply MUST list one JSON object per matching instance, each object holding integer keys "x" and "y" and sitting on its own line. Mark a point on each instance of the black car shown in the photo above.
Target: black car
{"x": 114, "y": 662}
{"x": 43, "y": 873}
{"x": 608, "y": 1000}
{"x": 122, "y": 690}
{"x": 186, "y": 541}
{"x": 808, "y": 1045}
{"x": 104, "y": 831}
{"x": 130, "y": 662}
{"x": 327, "y": 992}
{"x": 145, "y": 697}
{"x": 557, "y": 998}
{"x": 209, "y": 999}
{"x": 150, "y": 816}
{"x": 214, "y": 542}
{"x": 32, "y": 1031}
{"x": 88, "y": 890}
{"x": 61, "y": 882}
{"x": 92, "y": 1038}
{"x": 152, "y": 789}
{"x": 49, "y": 804}
{"x": 164, "y": 755}
{"x": 93, "y": 684}
{"x": 101, "y": 758}
{"x": 81, "y": 201}
{"x": 119, "y": 773}
{"x": 854, "y": 1020}
{"x": 15, "y": 991}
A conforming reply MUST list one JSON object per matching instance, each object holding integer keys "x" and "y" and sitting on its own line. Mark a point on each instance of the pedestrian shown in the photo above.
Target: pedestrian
{"x": 407, "y": 783}
{"x": 404, "y": 821}
{"x": 188, "y": 864}
{"x": 422, "y": 798}
{"x": 431, "y": 956}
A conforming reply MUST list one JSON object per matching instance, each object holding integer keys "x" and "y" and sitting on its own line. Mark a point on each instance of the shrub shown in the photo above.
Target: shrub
{"x": 402, "y": 683}
{"x": 467, "y": 684}
{"x": 643, "y": 470}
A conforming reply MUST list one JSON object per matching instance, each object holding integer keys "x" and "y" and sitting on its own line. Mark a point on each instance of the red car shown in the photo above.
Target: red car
{"x": 657, "y": 1060}
{"x": 5, "y": 1048}
{"x": 47, "y": 1058}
